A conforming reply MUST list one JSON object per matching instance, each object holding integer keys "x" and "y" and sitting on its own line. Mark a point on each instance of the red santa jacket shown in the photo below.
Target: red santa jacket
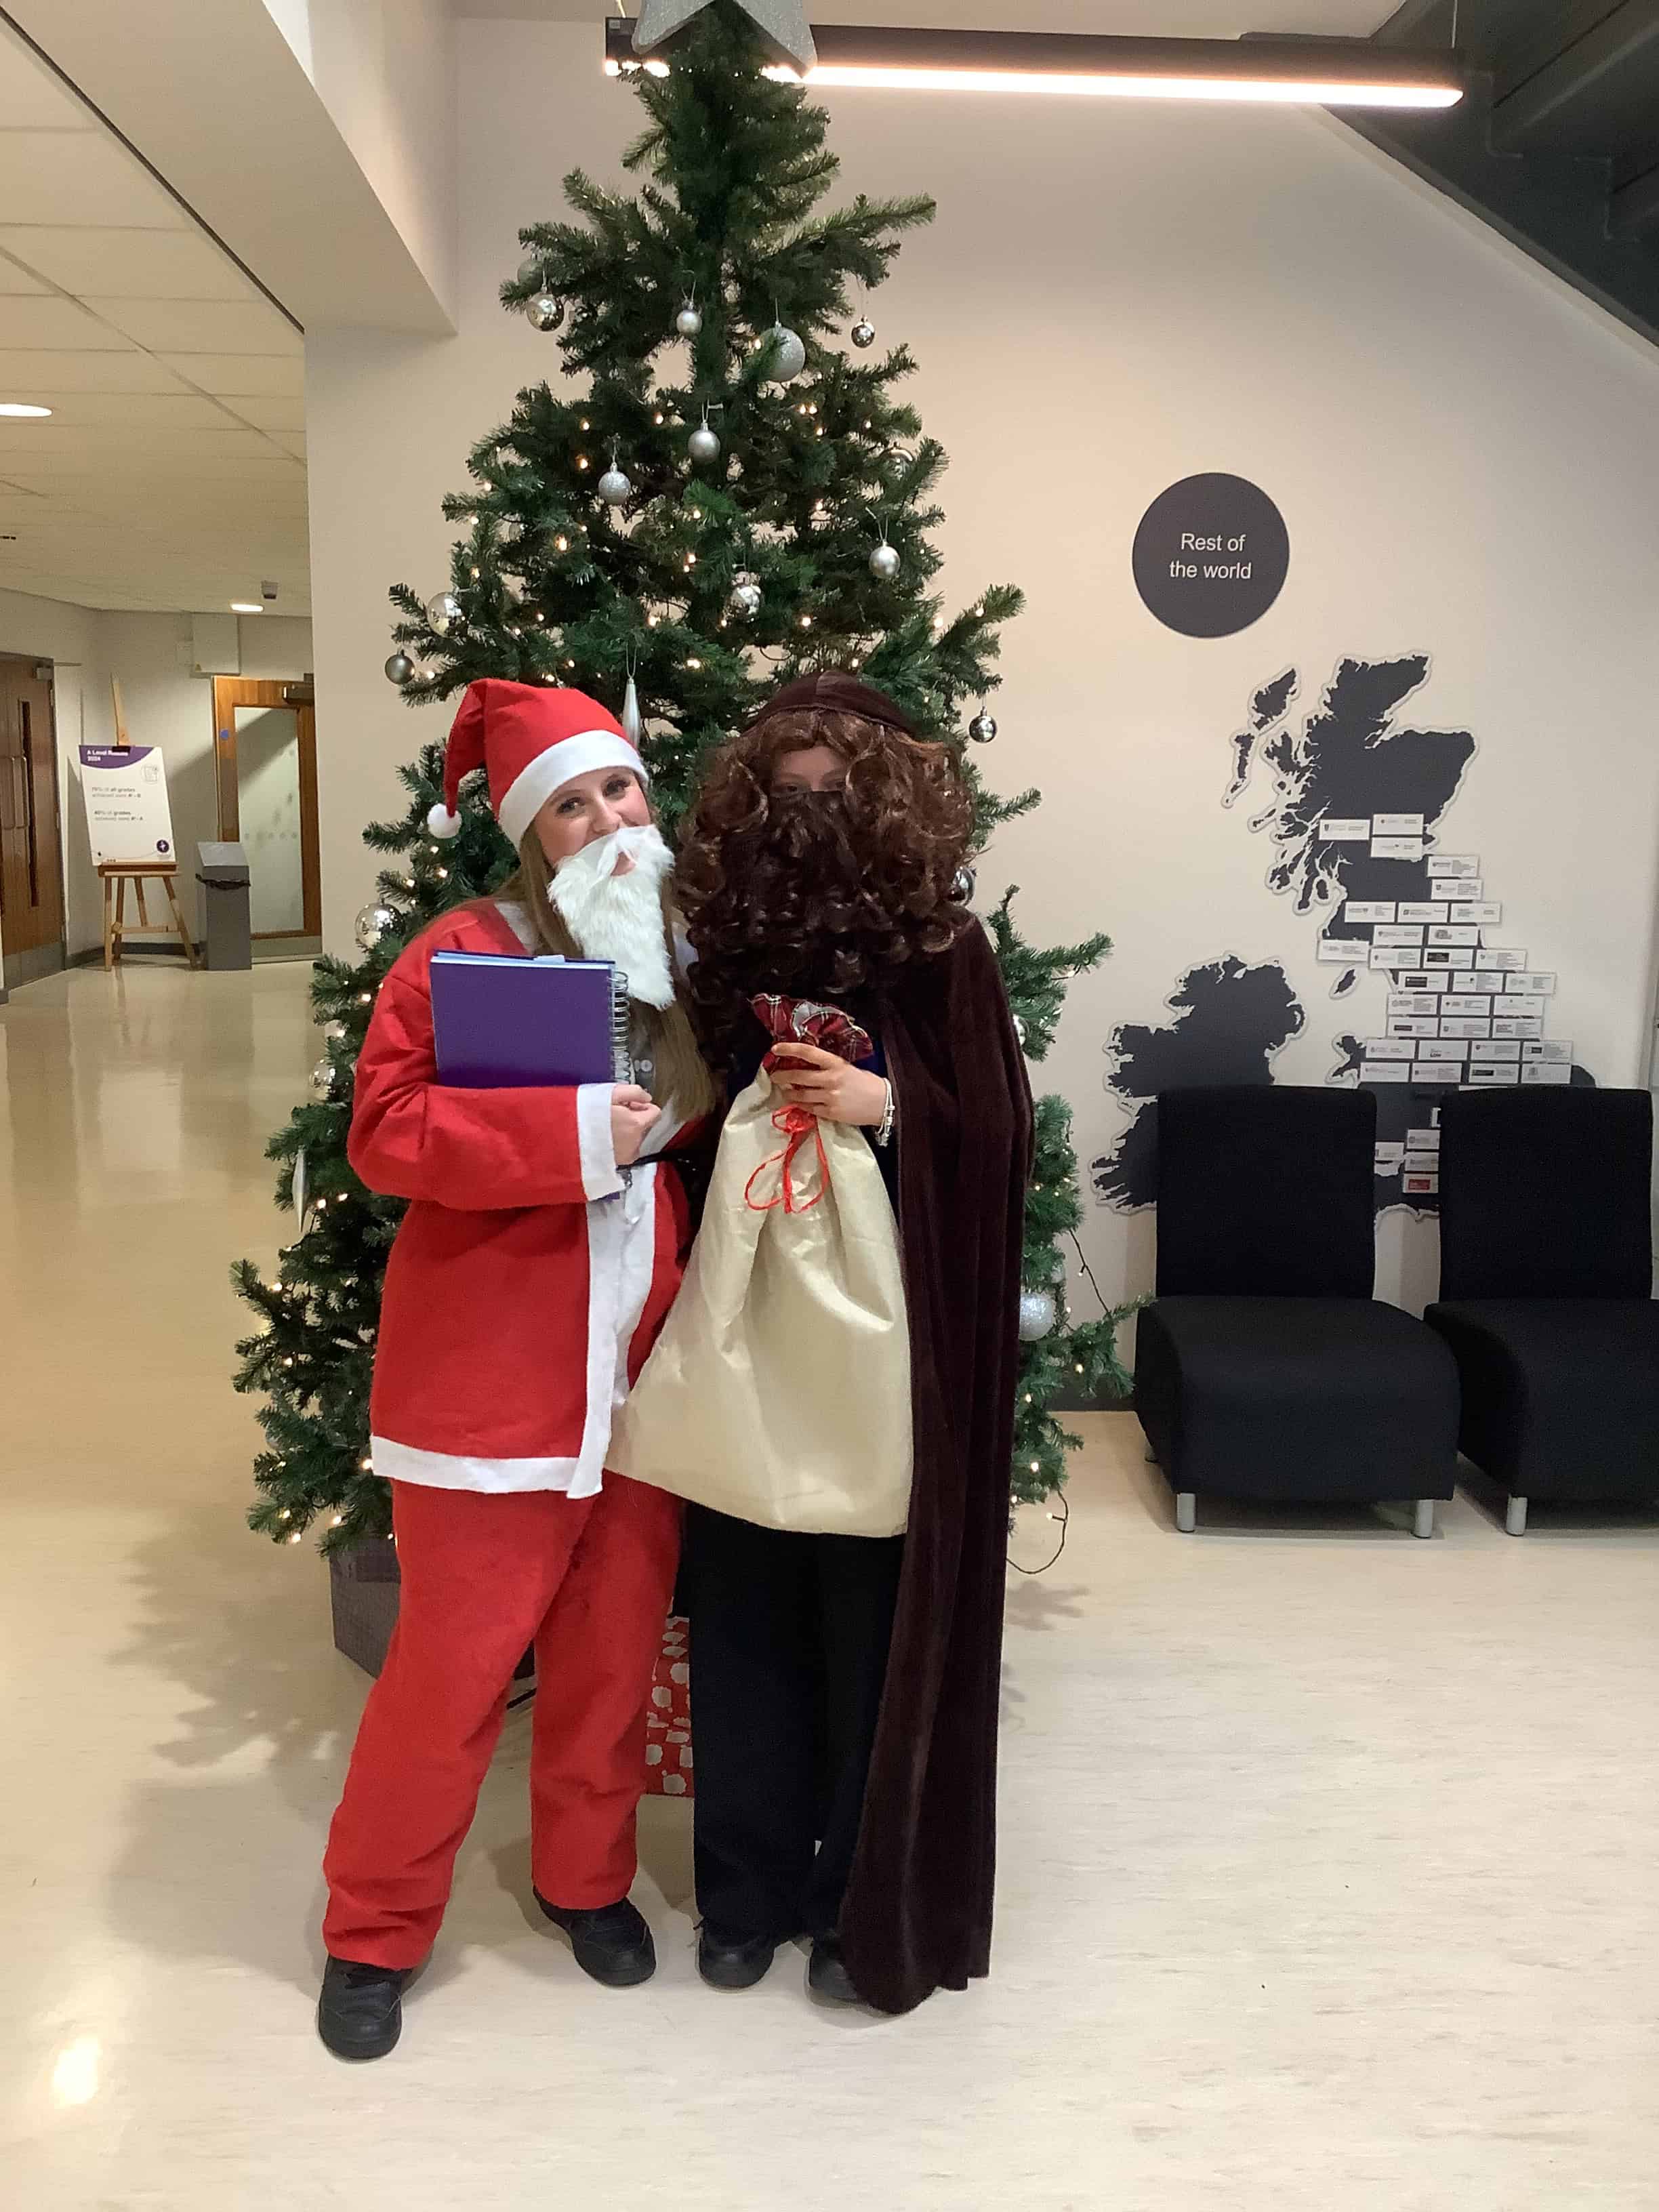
{"x": 530, "y": 1275}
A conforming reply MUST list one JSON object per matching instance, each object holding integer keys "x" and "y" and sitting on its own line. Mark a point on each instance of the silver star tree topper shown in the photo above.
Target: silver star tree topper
{"x": 784, "y": 22}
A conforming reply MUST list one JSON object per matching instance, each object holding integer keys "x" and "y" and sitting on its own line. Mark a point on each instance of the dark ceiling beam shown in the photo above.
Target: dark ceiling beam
{"x": 1616, "y": 43}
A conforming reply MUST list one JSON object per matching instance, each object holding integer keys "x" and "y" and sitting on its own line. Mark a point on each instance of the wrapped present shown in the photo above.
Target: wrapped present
{"x": 668, "y": 1716}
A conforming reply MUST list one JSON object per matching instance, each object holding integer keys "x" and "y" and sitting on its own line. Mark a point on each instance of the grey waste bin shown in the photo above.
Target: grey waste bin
{"x": 221, "y": 870}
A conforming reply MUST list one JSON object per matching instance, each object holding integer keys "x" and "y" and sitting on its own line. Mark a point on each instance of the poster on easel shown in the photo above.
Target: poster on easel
{"x": 126, "y": 790}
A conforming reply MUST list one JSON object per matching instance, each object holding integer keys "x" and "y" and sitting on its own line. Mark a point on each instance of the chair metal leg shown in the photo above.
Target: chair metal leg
{"x": 1186, "y": 1511}
{"x": 1422, "y": 1525}
{"x": 1516, "y": 1519}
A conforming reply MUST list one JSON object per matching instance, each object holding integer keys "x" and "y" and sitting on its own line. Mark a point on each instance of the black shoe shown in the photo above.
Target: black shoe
{"x": 611, "y": 1942}
{"x": 826, "y": 1972}
{"x": 359, "y": 2013}
{"x": 732, "y": 1966}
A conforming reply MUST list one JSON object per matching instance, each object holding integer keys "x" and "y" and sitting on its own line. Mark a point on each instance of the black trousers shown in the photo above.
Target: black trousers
{"x": 789, "y": 1639}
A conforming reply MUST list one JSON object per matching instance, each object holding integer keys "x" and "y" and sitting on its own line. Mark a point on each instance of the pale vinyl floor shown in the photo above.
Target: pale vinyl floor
{"x": 1330, "y": 1859}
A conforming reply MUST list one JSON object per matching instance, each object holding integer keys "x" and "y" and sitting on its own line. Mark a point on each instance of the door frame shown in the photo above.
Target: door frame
{"x": 230, "y": 692}
{"x": 18, "y": 967}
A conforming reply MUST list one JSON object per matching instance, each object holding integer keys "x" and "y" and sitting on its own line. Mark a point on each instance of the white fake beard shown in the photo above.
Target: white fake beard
{"x": 619, "y": 917}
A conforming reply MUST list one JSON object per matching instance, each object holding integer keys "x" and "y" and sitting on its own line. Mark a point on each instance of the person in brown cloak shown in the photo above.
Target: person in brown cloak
{"x": 845, "y": 1688}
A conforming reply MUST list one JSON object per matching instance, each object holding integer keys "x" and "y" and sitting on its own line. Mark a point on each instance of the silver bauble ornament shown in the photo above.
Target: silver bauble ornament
{"x": 614, "y": 488}
{"x": 399, "y": 668}
{"x": 322, "y": 1079}
{"x": 982, "y": 728}
{"x": 788, "y": 353}
{"x": 863, "y": 332}
{"x": 530, "y": 270}
{"x": 703, "y": 445}
{"x": 746, "y": 594}
{"x": 546, "y": 312}
{"x": 335, "y": 1032}
{"x": 443, "y": 611}
{"x": 372, "y": 925}
{"x": 689, "y": 321}
{"x": 963, "y": 886}
{"x": 1037, "y": 1315}
{"x": 884, "y": 563}
{"x": 1019, "y": 1030}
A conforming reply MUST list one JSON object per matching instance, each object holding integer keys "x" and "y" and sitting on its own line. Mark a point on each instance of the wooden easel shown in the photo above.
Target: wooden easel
{"x": 116, "y": 875}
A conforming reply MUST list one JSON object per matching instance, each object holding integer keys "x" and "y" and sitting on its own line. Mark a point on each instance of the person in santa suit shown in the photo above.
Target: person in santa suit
{"x": 545, "y": 1237}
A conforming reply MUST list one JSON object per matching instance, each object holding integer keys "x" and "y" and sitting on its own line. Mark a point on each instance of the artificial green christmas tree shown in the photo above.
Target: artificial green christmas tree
{"x": 714, "y": 499}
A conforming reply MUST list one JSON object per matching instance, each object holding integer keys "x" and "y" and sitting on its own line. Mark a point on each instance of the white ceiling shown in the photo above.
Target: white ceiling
{"x": 1171, "y": 19}
{"x": 171, "y": 475}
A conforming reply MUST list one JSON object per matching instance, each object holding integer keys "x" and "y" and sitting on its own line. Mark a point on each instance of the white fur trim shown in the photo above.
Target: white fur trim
{"x": 601, "y": 1177}
{"x": 639, "y": 1254}
{"x": 455, "y": 1471}
{"x": 440, "y": 823}
{"x": 531, "y": 788}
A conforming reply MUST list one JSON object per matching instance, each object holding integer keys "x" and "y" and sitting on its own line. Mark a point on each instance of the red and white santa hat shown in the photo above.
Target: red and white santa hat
{"x": 532, "y": 740}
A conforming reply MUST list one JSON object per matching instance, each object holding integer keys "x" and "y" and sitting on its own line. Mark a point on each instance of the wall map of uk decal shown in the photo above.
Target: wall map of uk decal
{"x": 1416, "y": 935}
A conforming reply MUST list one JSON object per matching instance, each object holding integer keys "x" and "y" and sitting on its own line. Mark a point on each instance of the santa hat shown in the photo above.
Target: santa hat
{"x": 532, "y": 741}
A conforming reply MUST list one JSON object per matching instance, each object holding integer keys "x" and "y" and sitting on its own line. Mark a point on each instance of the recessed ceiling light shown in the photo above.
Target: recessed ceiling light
{"x": 21, "y": 407}
{"x": 245, "y": 607}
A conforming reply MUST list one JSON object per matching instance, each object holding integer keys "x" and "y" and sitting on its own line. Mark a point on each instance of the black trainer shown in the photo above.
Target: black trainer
{"x": 359, "y": 2013}
{"x": 826, "y": 1972}
{"x": 732, "y": 1966}
{"x": 611, "y": 1942}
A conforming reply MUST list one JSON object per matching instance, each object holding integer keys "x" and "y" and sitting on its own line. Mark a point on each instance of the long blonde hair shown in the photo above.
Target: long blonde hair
{"x": 679, "y": 1070}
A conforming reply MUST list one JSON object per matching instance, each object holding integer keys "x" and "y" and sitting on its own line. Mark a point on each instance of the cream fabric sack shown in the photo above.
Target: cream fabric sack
{"x": 779, "y": 1391}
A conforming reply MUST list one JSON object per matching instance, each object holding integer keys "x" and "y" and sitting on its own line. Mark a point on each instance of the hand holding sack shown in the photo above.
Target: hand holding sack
{"x": 779, "y": 1391}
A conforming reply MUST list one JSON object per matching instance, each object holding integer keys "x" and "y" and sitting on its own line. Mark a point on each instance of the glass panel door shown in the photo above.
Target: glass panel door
{"x": 268, "y": 805}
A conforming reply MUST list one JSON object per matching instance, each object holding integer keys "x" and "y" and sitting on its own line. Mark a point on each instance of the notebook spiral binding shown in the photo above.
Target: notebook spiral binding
{"x": 619, "y": 1018}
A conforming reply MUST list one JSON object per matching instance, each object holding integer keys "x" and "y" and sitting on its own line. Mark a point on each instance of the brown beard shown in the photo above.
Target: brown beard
{"x": 799, "y": 908}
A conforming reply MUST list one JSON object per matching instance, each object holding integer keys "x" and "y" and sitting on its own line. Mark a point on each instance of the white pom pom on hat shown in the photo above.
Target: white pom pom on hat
{"x": 440, "y": 823}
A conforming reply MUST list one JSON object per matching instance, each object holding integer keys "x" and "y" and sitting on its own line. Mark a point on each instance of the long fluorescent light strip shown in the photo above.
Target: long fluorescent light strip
{"x": 1280, "y": 91}
{"x": 1312, "y": 73}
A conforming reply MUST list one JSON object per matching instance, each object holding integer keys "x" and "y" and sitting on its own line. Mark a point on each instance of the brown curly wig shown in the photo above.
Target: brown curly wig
{"x": 832, "y": 894}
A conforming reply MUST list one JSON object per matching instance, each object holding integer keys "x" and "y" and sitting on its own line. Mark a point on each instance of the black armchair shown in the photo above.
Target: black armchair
{"x": 1264, "y": 1368}
{"x": 1546, "y": 1279}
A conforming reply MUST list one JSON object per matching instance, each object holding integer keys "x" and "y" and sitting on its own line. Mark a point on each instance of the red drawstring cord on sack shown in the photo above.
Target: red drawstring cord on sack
{"x": 795, "y": 1123}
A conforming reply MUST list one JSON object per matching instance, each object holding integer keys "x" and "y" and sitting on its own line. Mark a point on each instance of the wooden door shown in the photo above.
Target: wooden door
{"x": 264, "y": 755}
{"x": 31, "y": 848}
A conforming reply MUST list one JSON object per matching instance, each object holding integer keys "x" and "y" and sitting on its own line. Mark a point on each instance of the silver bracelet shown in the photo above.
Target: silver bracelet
{"x": 884, "y": 1128}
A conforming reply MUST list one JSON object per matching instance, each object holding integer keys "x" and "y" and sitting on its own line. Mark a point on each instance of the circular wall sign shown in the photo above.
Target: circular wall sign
{"x": 1212, "y": 555}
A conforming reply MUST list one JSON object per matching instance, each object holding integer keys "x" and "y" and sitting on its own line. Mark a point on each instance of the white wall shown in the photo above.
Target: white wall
{"x": 1113, "y": 298}
{"x": 164, "y": 705}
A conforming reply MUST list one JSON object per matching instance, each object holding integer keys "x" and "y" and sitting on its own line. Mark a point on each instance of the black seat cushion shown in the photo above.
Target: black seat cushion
{"x": 1328, "y": 1400}
{"x": 1560, "y": 1395}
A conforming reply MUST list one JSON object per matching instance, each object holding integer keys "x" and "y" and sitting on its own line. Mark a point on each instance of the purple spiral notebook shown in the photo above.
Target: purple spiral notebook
{"x": 500, "y": 1022}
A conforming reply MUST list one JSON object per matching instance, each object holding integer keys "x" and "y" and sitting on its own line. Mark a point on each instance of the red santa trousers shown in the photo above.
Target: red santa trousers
{"x": 588, "y": 1581}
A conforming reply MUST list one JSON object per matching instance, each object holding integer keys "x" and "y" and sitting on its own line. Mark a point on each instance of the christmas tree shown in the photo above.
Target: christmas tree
{"x": 713, "y": 498}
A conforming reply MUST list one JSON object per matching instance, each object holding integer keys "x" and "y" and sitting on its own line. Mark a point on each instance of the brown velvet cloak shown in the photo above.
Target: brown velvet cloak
{"x": 917, "y": 1915}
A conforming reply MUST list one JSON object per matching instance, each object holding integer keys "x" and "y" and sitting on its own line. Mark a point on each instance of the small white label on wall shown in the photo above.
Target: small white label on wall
{"x": 1396, "y": 848}
{"x": 1442, "y": 1048}
{"x": 1423, "y": 911}
{"x": 1517, "y": 1025}
{"x": 1453, "y": 864}
{"x": 1413, "y": 1025}
{"x": 1342, "y": 951}
{"x": 1491, "y": 955}
{"x": 1386, "y": 1071}
{"x": 1420, "y": 1183}
{"x": 1396, "y": 825}
{"x": 1394, "y": 932}
{"x": 1500, "y": 1048}
{"x": 1554, "y": 1049}
{"x": 1491, "y": 1071}
{"x": 1479, "y": 1010}
{"x": 1545, "y": 1071}
{"x": 1465, "y": 1025}
{"x": 1519, "y": 1005}
{"x": 1454, "y": 936}
{"x": 1488, "y": 915}
{"x": 1371, "y": 910}
{"x": 1388, "y": 1048}
{"x": 1336, "y": 831}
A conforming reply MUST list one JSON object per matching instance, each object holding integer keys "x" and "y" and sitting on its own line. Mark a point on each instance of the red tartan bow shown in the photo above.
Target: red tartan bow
{"x": 797, "y": 1123}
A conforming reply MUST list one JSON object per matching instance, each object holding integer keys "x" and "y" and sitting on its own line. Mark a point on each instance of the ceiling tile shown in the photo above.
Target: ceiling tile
{"x": 236, "y": 375}
{"x": 288, "y": 415}
{"x": 14, "y": 279}
{"x": 289, "y": 443}
{"x": 24, "y": 375}
{"x": 80, "y": 177}
{"x": 56, "y": 324}
{"x": 200, "y": 326}
{"x": 128, "y": 262}
{"x": 33, "y": 99}
{"x": 165, "y": 413}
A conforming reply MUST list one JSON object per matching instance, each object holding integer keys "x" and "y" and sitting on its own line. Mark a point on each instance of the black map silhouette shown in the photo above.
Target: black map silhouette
{"x": 1382, "y": 789}
{"x": 1230, "y": 1020}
